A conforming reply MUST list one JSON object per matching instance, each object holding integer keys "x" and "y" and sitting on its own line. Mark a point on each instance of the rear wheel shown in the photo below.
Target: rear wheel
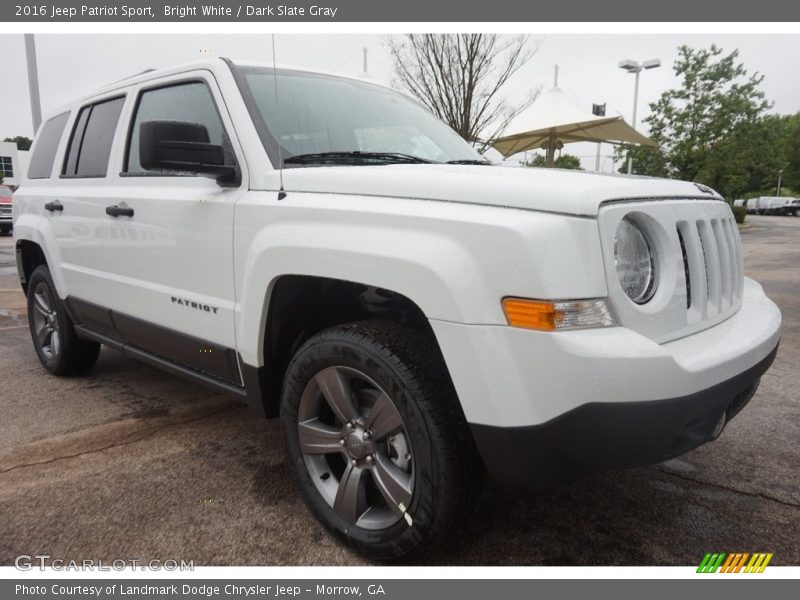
{"x": 58, "y": 347}
{"x": 377, "y": 438}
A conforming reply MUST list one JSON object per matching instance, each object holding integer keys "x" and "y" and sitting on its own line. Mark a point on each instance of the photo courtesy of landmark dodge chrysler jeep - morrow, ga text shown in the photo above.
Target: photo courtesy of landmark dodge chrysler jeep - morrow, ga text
{"x": 327, "y": 250}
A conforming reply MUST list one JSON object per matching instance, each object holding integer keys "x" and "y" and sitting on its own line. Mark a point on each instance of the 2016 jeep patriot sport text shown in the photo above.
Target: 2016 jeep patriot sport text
{"x": 413, "y": 315}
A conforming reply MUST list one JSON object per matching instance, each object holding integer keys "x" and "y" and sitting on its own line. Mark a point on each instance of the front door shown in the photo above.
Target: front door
{"x": 169, "y": 238}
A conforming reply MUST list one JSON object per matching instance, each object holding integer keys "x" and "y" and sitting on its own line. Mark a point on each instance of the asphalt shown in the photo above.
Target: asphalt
{"x": 132, "y": 463}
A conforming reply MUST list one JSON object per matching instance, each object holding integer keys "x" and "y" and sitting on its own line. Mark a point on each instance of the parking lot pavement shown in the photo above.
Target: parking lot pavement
{"x": 132, "y": 463}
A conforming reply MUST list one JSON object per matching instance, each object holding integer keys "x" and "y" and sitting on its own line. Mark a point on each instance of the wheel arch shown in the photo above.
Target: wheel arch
{"x": 299, "y": 306}
{"x": 29, "y": 255}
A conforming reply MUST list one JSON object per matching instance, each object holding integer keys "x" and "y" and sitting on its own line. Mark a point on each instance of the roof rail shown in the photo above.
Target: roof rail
{"x": 132, "y": 76}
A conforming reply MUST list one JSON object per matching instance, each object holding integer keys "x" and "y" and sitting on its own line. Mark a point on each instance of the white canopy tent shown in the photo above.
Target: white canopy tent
{"x": 555, "y": 119}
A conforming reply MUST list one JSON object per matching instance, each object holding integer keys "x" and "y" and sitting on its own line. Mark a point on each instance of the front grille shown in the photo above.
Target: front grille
{"x": 712, "y": 259}
{"x": 700, "y": 275}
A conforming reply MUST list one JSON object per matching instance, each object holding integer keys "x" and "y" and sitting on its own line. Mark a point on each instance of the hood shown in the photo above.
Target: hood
{"x": 549, "y": 190}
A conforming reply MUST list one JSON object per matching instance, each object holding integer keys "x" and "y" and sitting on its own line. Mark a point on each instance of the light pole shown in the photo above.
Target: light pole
{"x": 631, "y": 66}
{"x": 780, "y": 176}
{"x": 33, "y": 80}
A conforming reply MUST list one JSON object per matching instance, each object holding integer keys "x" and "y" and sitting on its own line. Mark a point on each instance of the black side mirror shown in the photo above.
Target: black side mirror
{"x": 181, "y": 146}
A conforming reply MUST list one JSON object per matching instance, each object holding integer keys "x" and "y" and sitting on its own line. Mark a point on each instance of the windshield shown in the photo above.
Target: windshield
{"x": 318, "y": 114}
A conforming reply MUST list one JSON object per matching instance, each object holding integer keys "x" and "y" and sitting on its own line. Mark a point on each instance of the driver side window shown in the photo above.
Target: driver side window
{"x": 189, "y": 102}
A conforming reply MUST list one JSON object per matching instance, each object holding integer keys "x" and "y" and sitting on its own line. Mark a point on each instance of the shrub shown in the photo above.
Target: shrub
{"x": 740, "y": 212}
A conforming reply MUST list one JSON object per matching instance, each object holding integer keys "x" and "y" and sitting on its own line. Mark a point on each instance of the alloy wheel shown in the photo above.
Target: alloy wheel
{"x": 45, "y": 322}
{"x": 356, "y": 448}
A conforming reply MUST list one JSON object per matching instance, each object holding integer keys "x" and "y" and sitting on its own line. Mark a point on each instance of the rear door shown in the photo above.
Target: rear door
{"x": 76, "y": 205}
{"x": 171, "y": 257}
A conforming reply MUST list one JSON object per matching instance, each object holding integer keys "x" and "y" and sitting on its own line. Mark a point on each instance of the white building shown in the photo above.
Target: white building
{"x": 13, "y": 163}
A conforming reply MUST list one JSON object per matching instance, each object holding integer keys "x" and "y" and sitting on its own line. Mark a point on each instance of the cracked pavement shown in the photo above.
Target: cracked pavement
{"x": 133, "y": 463}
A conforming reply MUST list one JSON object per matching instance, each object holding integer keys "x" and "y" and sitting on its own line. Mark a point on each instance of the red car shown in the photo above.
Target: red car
{"x": 5, "y": 209}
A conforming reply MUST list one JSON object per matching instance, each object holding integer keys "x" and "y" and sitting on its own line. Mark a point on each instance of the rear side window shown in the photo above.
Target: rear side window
{"x": 45, "y": 154}
{"x": 90, "y": 144}
{"x": 191, "y": 102}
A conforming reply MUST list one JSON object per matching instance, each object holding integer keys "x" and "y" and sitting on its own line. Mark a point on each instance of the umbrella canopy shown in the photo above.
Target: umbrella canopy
{"x": 555, "y": 119}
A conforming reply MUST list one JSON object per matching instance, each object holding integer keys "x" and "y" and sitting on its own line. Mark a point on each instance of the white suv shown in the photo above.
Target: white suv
{"x": 327, "y": 250}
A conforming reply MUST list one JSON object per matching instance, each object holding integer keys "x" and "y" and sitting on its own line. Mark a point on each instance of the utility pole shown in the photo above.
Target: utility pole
{"x": 33, "y": 81}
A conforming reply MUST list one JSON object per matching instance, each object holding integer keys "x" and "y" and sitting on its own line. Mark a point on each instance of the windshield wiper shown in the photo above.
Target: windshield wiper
{"x": 355, "y": 157}
{"x": 468, "y": 161}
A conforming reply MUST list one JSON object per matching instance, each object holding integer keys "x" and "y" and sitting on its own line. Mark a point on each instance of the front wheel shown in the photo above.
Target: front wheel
{"x": 377, "y": 438}
{"x": 58, "y": 347}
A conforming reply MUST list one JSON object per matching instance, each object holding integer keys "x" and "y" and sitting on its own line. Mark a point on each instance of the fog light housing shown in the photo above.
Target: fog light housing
{"x": 555, "y": 315}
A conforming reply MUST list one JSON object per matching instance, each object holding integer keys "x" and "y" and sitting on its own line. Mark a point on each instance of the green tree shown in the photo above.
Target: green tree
{"x": 748, "y": 159}
{"x": 703, "y": 124}
{"x": 23, "y": 143}
{"x": 791, "y": 173}
{"x": 646, "y": 160}
{"x": 564, "y": 161}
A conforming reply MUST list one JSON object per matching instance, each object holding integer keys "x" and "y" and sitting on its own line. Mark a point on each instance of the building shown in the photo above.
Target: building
{"x": 13, "y": 163}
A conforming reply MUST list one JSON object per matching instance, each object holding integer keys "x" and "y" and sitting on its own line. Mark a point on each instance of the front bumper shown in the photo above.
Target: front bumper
{"x": 573, "y": 401}
{"x": 613, "y": 435}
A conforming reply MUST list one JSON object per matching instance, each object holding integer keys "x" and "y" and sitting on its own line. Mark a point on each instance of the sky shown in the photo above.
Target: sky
{"x": 72, "y": 65}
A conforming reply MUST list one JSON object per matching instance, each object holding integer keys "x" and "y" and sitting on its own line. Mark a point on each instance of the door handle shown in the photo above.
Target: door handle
{"x": 54, "y": 206}
{"x": 119, "y": 211}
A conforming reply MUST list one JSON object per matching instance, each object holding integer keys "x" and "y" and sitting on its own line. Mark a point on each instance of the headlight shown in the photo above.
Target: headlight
{"x": 636, "y": 267}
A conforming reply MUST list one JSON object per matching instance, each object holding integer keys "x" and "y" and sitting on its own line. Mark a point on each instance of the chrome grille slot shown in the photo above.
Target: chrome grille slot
{"x": 712, "y": 267}
{"x": 687, "y": 276}
{"x": 737, "y": 269}
{"x": 725, "y": 267}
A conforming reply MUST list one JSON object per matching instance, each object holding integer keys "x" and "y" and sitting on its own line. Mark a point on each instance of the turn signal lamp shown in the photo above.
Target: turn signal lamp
{"x": 544, "y": 315}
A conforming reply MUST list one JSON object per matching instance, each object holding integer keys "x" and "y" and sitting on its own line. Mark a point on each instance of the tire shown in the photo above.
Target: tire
{"x": 5, "y": 228}
{"x": 57, "y": 345}
{"x": 429, "y": 466}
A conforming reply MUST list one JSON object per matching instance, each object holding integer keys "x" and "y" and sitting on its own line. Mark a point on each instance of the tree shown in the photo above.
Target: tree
{"x": 22, "y": 142}
{"x": 564, "y": 161}
{"x": 791, "y": 173}
{"x": 459, "y": 77}
{"x": 748, "y": 159}
{"x": 703, "y": 119}
{"x": 646, "y": 160}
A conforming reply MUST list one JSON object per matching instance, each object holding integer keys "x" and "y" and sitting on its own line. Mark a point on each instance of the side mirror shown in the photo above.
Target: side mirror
{"x": 181, "y": 146}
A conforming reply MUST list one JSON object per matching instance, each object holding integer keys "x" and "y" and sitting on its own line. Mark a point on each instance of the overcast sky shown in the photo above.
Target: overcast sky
{"x": 71, "y": 65}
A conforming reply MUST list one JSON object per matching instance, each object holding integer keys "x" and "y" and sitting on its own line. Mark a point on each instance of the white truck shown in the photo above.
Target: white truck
{"x": 773, "y": 205}
{"x": 328, "y": 251}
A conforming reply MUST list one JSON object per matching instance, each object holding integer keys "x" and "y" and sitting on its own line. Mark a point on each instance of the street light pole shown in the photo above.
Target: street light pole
{"x": 631, "y": 66}
{"x": 33, "y": 81}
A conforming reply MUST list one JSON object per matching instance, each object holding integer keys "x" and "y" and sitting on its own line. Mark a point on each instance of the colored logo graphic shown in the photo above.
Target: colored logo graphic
{"x": 735, "y": 562}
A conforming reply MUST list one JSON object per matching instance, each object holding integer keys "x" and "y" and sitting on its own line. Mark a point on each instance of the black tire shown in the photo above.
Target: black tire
{"x": 447, "y": 470}
{"x": 70, "y": 355}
